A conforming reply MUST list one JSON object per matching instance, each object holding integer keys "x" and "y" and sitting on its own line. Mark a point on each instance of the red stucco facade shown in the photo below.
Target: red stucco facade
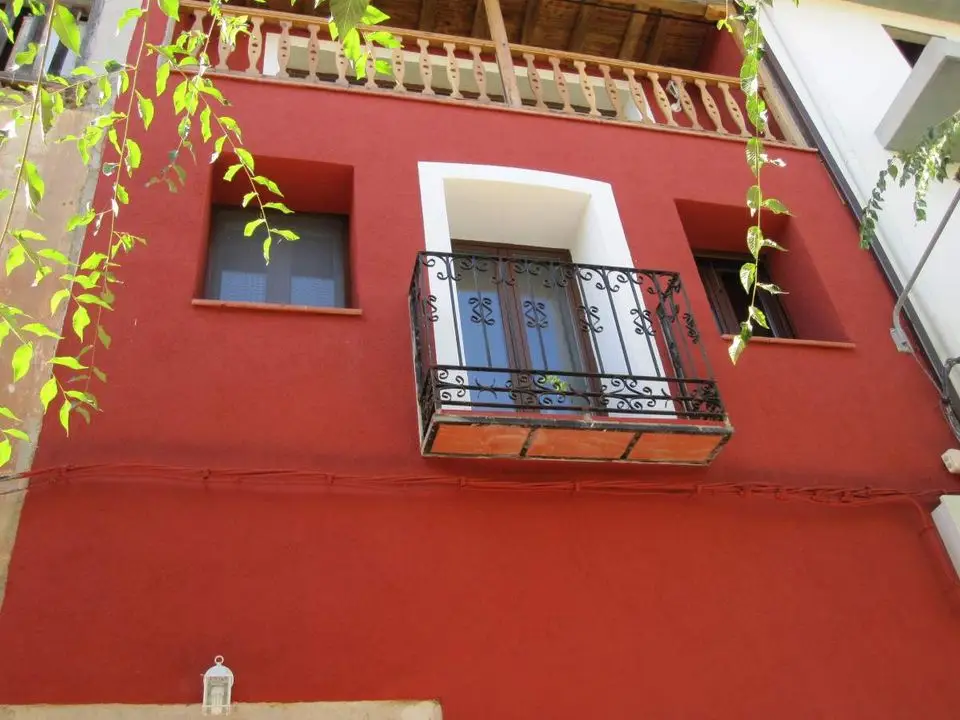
{"x": 503, "y": 602}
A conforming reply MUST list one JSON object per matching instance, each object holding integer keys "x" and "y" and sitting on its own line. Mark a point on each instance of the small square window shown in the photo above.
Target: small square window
{"x": 310, "y": 271}
{"x": 729, "y": 301}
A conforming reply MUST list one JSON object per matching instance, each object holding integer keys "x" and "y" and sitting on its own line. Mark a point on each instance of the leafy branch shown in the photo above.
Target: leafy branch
{"x": 927, "y": 163}
{"x": 39, "y": 100}
{"x": 746, "y": 17}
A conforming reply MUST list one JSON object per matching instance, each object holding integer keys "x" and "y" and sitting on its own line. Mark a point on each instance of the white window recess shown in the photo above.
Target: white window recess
{"x": 947, "y": 520}
{"x": 513, "y": 206}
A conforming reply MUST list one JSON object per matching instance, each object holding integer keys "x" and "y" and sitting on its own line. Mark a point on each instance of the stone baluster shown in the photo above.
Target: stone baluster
{"x": 426, "y": 67}
{"x": 479, "y": 74}
{"x": 733, "y": 108}
{"x": 686, "y": 102}
{"x": 224, "y": 49}
{"x": 313, "y": 53}
{"x": 341, "y": 62}
{"x": 198, "y": 18}
{"x": 283, "y": 49}
{"x": 561, "y": 81}
{"x": 254, "y": 45}
{"x": 453, "y": 70}
{"x": 533, "y": 77}
{"x": 586, "y": 86}
{"x": 370, "y": 65}
{"x": 639, "y": 97}
{"x": 399, "y": 66}
{"x": 613, "y": 93}
{"x": 662, "y": 100}
{"x": 710, "y": 105}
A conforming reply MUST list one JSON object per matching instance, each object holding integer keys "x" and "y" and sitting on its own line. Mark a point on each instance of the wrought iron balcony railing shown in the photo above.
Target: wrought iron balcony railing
{"x": 534, "y": 337}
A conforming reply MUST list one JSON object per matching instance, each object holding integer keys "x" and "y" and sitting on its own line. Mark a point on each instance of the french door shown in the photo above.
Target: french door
{"x": 519, "y": 327}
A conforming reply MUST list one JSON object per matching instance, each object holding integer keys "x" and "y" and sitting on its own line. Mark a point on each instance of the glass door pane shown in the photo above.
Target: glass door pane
{"x": 551, "y": 339}
{"x": 484, "y": 333}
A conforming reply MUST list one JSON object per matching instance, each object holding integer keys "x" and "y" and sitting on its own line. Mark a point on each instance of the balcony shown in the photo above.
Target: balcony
{"x": 295, "y": 48}
{"x": 529, "y": 357}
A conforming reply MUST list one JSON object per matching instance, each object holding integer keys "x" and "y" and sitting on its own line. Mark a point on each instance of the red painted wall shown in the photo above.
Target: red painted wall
{"x": 504, "y": 605}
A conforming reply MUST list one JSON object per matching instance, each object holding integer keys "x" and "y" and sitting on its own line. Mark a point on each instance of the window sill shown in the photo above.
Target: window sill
{"x": 275, "y": 307}
{"x": 798, "y": 342}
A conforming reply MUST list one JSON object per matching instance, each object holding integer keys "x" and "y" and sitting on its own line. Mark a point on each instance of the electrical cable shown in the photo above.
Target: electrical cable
{"x": 295, "y": 480}
{"x": 311, "y": 479}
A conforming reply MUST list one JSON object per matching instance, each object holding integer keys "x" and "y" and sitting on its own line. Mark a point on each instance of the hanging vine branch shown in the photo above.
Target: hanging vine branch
{"x": 746, "y": 20}
{"x": 114, "y": 92}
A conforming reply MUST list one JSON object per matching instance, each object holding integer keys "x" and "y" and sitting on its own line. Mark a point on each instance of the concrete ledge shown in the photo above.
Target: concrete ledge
{"x": 947, "y": 519}
{"x": 376, "y": 710}
{"x": 929, "y": 96}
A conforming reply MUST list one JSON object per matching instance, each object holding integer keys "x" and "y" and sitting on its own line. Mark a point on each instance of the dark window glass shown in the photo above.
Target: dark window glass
{"x": 910, "y": 50}
{"x": 729, "y": 301}
{"x": 310, "y": 271}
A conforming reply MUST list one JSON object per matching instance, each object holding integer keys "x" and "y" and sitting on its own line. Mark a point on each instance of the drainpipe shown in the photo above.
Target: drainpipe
{"x": 897, "y": 332}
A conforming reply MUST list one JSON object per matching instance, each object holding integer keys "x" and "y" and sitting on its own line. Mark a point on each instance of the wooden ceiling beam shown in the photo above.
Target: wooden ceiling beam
{"x": 683, "y": 7}
{"x": 658, "y": 38}
{"x": 633, "y": 33}
{"x": 428, "y": 15}
{"x": 498, "y": 33}
{"x": 479, "y": 21}
{"x": 531, "y": 16}
{"x": 580, "y": 29}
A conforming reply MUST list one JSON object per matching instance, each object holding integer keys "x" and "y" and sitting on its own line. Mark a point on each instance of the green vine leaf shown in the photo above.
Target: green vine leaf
{"x": 127, "y": 16}
{"x": 134, "y": 155}
{"x": 81, "y": 319}
{"x": 754, "y": 199}
{"x": 68, "y": 362}
{"x": 58, "y": 297}
{"x": 145, "y": 109}
{"x": 40, "y": 330}
{"x": 16, "y": 256}
{"x": 758, "y": 315}
{"x": 66, "y": 28}
{"x": 6, "y": 451}
{"x": 775, "y": 206}
{"x": 171, "y": 8}
{"x": 163, "y": 73}
{"x": 251, "y": 226}
{"x": 348, "y": 13}
{"x": 16, "y": 433}
{"x": 20, "y": 362}
{"x": 48, "y": 392}
{"x": 64, "y": 416}
{"x": 748, "y": 275}
{"x": 754, "y": 242}
{"x": 35, "y": 185}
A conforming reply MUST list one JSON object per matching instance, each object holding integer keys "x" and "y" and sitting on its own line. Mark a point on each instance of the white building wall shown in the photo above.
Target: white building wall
{"x": 847, "y": 72}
